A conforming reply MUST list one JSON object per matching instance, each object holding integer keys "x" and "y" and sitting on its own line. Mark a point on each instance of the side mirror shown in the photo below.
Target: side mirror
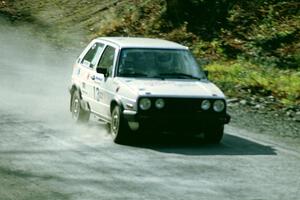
{"x": 102, "y": 71}
{"x": 206, "y": 73}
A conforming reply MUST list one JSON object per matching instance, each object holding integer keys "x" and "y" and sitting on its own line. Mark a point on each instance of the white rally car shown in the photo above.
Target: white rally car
{"x": 142, "y": 85}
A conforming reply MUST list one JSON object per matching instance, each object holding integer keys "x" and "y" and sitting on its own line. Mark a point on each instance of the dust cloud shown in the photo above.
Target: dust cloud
{"x": 34, "y": 80}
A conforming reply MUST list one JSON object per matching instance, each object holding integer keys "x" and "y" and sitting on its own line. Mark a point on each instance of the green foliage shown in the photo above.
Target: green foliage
{"x": 254, "y": 45}
{"x": 204, "y": 17}
{"x": 238, "y": 78}
{"x": 268, "y": 32}
{"x": 251, "y": 44}
{"x": 264, "y": 32}
{"x": 133, "y": 18}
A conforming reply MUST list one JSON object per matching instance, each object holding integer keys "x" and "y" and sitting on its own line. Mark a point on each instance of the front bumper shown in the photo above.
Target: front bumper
{"x": 177, "y": 122}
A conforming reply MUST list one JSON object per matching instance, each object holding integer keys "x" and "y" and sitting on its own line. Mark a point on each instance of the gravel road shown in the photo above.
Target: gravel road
{"x": 45, "y": 155}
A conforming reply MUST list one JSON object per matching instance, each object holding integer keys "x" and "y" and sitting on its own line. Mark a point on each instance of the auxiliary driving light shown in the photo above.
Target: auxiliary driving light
{"x": 205, "y": 105}
{"x": 159, "y": 103}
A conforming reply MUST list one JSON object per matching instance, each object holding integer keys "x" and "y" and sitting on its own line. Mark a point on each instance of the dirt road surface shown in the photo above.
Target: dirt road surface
{"x": 45, "y": 155}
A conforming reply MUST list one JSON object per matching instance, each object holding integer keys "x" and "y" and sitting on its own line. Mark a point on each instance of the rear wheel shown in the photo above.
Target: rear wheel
{"x": 78, "y": 113}
{"x": 118, "y": 128}
{"x": 214, "y": 135}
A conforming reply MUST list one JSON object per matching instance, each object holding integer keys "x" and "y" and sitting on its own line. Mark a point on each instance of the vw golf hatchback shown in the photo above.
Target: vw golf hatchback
{"x": 142, "y": 85}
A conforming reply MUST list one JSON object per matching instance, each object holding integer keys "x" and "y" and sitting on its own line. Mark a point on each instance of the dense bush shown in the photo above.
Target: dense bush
{"x": 264, "y": 32}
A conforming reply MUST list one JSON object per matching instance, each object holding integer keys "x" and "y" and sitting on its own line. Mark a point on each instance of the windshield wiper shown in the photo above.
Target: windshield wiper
{"x": 179, "y": 75}
{"x": 133, "y": 75}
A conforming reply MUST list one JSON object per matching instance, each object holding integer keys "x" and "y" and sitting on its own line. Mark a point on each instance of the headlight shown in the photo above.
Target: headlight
{"x": 145, "y": 104}
{"x": 219, "y": 105}
{"x": 205, "y": 105}
{"x": 159, "y": 103}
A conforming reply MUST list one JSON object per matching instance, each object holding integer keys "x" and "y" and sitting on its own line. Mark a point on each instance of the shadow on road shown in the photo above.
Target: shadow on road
{"x": 230, "y": 145}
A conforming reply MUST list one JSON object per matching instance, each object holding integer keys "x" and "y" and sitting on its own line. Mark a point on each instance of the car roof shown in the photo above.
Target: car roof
{"x": 138, "y": 42}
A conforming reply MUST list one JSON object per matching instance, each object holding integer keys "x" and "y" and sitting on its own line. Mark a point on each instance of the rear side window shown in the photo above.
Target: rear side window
{"x": 92, "y": 56}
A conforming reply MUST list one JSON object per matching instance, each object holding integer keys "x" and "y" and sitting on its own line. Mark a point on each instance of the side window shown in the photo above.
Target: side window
{"x": 91, "y": 57}
{"x": 107, "y": 59}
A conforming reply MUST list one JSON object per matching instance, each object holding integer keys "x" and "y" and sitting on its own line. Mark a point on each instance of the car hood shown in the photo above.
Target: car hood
{"x": 172, "y": 88}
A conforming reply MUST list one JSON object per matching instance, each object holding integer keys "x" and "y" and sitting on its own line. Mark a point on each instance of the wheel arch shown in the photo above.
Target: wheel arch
{"x": 85, "y": 105}
{"x": 116, "y": 102}
{"x": 74, "y": 88}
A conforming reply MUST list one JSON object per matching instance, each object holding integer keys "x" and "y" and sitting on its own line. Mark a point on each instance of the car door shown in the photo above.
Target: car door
{"x": 104, "y": 89}
{"x": 87, "y": 72}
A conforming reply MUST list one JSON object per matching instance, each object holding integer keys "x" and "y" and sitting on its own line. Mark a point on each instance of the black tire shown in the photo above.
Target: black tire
{"x": 214, "y": 135}
{"x": 118, "y": 127}
{"x": 78, "y": 113}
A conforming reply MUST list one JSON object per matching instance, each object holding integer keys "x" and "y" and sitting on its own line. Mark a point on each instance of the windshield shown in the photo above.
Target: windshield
{"x": 158, "y": 63}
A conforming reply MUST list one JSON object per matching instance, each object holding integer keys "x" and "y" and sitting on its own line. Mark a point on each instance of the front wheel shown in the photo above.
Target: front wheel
{"x": 78, "y": 113}
{"x": 214, "y": 135}
{"x": 118, "y": 127}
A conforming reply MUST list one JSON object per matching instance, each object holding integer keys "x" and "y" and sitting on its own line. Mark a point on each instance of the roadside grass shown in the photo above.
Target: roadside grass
{"x": 240, "y": 78}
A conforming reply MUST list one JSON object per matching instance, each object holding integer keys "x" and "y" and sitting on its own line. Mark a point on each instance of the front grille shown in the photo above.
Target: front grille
{"x": 179, "y": 106}
{"x": 182, "y": 105}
